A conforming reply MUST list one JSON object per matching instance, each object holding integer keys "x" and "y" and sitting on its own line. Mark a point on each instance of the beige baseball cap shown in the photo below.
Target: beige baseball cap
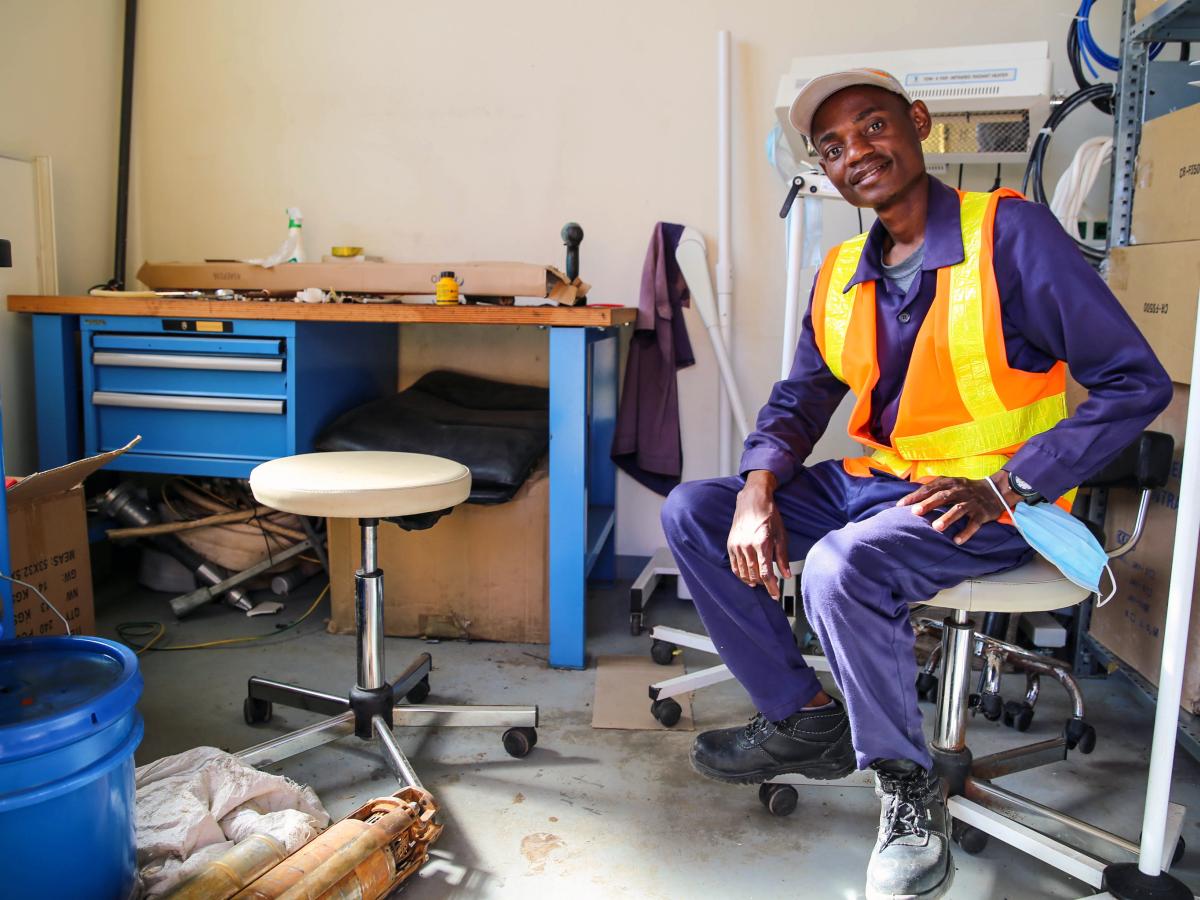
{"x": 820, "y": 89}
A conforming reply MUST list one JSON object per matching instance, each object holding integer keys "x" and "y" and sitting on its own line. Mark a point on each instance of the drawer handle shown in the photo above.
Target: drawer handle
{"x": 186, "y": 361}
{"x": 201, "y": 404}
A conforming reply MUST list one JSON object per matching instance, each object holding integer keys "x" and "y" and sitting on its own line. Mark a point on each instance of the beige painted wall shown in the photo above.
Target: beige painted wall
{"x": 60, "y": 64}
{"x": 476, "y": 129}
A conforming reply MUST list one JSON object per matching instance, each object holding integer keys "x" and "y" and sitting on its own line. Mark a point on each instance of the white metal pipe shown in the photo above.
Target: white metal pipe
{"x": 724, "y": 239}
{"x": 692, "y": 258}
{"x": 1175, "y": 638}
{"x": 791, "y": 295}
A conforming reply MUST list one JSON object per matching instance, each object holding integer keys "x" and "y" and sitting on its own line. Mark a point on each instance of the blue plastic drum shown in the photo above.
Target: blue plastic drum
{"x": 68, "y": 729}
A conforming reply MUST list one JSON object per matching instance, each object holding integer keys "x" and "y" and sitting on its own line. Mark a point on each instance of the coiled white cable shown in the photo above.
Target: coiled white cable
{"x": 1076, "y": 182}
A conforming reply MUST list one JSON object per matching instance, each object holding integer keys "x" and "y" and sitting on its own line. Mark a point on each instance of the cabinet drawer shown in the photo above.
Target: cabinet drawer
{"x": 224, "y": 427}
{"x": 125, "y": 370}
{"x": 169, "y": 343}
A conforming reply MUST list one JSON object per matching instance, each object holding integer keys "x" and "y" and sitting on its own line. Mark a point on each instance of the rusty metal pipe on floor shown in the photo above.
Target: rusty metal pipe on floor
{"x": 307, "y": 859}
{"x": 345, "y": 862}
{"x": 230, "y": 872}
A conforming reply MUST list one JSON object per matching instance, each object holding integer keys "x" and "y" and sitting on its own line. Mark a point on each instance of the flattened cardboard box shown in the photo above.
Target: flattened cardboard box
{"x": 483, "y": 279}
{"x": 1158, "y": 285}
{"x": 1131, "y": 624}
{"x": 48, "y": 546}
{"x": 1166, "y": 190}
{"x": 480, "y": 572}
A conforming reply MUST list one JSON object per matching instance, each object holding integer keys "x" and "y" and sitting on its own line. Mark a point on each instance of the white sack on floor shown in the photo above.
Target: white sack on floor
{"x": 194, "y": 806}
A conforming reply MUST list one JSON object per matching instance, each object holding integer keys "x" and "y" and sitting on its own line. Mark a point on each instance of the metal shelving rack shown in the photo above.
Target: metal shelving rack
{"x": 1147, "y": 89}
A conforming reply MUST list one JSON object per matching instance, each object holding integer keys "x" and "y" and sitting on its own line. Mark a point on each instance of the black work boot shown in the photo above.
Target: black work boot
{"x": 812, "y": 742}
{"x": 911, "y": 860}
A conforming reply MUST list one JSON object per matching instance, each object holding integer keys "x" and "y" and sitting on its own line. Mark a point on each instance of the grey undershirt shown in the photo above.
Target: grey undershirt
{"x": 901, "y": 275}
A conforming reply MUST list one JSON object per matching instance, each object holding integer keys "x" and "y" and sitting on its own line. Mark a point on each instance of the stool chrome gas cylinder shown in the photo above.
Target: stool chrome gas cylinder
{"x": 414, "y": 490}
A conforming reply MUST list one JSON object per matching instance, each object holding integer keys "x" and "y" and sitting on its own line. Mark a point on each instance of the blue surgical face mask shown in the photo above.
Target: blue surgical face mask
{"x": 1063, "y": 541}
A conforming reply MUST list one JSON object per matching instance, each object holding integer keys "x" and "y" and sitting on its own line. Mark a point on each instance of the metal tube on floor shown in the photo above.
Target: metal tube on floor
{"x": 346, "y": 860}
{"x": 305, "y": 860}
{"x": 232, "y": 871}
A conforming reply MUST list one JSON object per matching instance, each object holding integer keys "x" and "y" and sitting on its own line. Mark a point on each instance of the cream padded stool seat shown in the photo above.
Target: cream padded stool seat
{"x": 414, "y": 490}
{"x": 361, "y": 484}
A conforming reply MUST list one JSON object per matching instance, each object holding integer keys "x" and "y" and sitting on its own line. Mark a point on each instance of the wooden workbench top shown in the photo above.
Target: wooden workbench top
{"x": 571, "y": 316}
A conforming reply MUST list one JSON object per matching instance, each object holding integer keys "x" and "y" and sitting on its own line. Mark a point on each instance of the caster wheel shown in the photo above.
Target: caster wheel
{"x": 991, "y": 705}
{"x": 635, "y": 625}
{"x": 779, "y": 799}
{"x": 667, "y": 711}
{"x": 519, "y": 741}
{"x": 662, "y": 652}
{"x": 971, "y": 839}
{"x": 256, "y": 711}
{"x": 1080, "y": 736}
{"x": 419, "y": 691}
{"x": 1018, "y": 715}
{"x": 927, "y": 687}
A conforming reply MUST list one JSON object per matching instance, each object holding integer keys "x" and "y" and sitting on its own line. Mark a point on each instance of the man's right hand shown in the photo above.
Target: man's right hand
{"x": 757, "y": 539}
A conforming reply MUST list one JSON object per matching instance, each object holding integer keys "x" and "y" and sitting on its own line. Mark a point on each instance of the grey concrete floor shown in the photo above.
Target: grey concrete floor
{"x": 593, "y": 813}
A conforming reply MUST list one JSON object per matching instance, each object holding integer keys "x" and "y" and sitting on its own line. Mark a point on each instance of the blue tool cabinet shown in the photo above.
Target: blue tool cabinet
{"x": 221, "y": 401}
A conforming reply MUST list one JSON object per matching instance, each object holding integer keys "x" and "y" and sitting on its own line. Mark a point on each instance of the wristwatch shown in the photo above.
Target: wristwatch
{"x": 1027, "y": 491}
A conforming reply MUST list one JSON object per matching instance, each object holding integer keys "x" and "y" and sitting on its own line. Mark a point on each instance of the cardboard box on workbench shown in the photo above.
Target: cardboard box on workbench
{"x": 1158, "y": 285}
{"x": 48, "y": 548}
{"x": 480, "y": 572}
{"x": 1166, "y": 189}
{"x": 482, "y": 279}
{"x": 1131, "y": 624}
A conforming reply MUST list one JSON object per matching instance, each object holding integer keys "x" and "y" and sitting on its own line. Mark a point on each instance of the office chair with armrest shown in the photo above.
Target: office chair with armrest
{"x": 979, "y": 808}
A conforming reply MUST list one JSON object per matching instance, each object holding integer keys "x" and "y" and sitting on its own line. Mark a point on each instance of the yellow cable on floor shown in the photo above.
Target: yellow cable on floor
{"x": 127, "y": 629}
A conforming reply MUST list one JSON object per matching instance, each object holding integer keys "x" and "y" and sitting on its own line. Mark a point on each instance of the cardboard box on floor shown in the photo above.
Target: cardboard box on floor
{"x": 1158, "y": 285}
{"x": 481, "y": 572}
{"x": 1131, "y": 624}
{"x": 1166, "y": 189}
{"x": 48, "y": 546}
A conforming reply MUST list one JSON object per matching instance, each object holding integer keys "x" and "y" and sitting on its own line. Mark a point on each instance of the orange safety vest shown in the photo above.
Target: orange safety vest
{"x": 963, "y": 410}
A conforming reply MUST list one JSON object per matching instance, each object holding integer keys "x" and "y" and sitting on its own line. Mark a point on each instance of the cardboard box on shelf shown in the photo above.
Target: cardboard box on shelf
{"x": 1158, "y": 285}
{"x": 1131, "y": 624}
{"x": 480, "y": 572}
{"x": 48, "y": 547}
{"x": 1143, "y": 8}
{"x": 1166, "y": 189}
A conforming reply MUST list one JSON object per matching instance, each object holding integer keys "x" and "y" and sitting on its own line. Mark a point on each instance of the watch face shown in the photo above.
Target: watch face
{"x": 1021, "y": 485}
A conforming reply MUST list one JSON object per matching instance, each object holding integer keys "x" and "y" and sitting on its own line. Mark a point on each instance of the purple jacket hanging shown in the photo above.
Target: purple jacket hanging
{"x": 647, "y": 443}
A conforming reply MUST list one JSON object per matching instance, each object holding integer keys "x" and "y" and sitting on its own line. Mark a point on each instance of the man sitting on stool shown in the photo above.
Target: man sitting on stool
{"x": 953, "y": 321}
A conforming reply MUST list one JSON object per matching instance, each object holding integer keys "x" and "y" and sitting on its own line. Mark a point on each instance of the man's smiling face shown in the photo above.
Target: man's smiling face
{"x": 869, "y": 142}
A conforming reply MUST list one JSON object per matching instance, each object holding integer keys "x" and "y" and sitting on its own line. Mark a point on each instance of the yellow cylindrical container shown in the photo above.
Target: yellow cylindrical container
{"x": 447, "y": 289}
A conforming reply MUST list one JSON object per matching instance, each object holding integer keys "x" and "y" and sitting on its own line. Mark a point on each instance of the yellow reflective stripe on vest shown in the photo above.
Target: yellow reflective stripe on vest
{"x": 839, "y": 304}
{"x": 1004, "y": 429}
{"x": 968, "y": 347}
{"x": 974, "y": 467}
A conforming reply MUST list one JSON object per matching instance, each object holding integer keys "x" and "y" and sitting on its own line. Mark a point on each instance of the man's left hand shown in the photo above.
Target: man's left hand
{"x": 962, "y": 498}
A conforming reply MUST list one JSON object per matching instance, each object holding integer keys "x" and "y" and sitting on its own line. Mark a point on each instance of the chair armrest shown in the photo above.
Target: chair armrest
{"x": 1145, "y": 464}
